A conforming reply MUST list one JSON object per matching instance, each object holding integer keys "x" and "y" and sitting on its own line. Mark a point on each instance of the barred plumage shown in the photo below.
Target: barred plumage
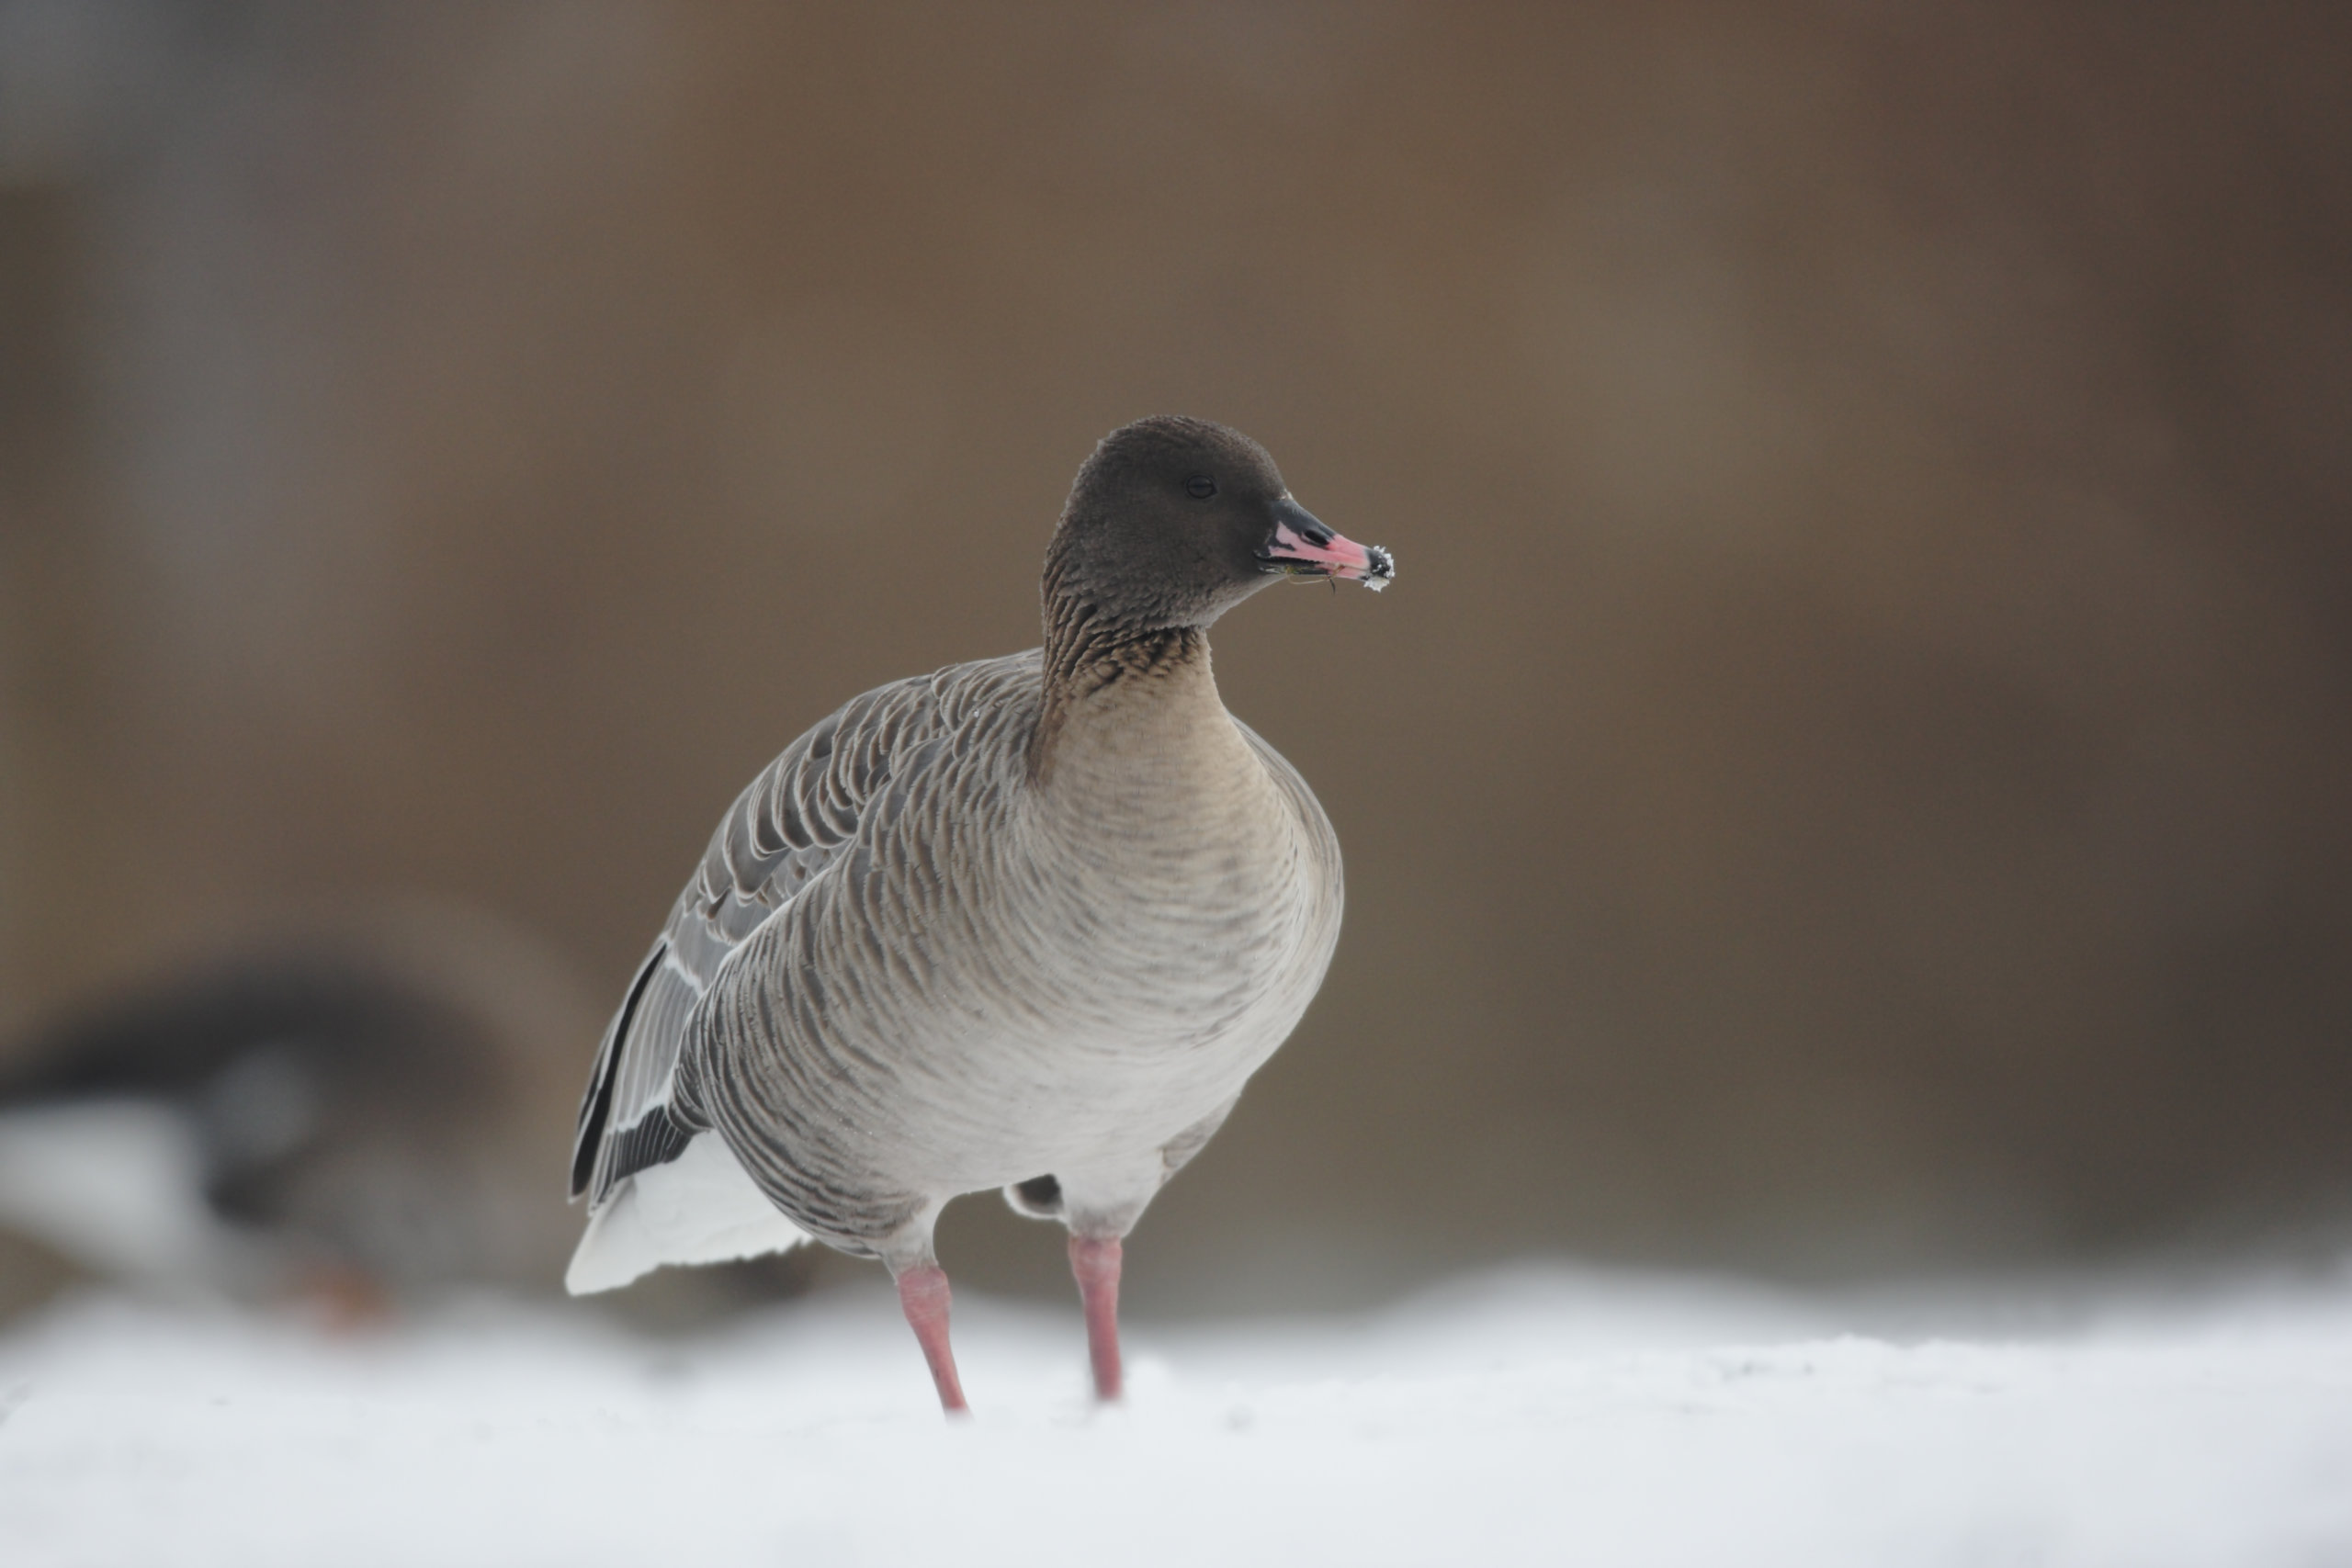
{"x": 1029, "y": 921}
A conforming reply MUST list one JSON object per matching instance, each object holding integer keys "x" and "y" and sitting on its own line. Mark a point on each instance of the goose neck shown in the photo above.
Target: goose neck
{"x": 1122, "y": 691}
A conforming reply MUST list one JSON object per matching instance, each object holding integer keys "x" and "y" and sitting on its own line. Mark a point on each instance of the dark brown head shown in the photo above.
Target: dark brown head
{"x": 1174, "y": 521}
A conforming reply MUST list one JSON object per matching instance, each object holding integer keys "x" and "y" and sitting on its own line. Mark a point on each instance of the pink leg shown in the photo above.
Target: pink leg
{"x": 922, "y": 1292}
{"x": 1095, "y": 1261}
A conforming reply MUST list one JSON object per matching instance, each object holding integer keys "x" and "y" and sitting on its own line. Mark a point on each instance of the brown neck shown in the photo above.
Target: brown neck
{"x": 1084, "y": 657}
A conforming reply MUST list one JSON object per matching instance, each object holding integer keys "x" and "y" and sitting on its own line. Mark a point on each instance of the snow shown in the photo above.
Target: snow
{"x": 1531, "y": 1417}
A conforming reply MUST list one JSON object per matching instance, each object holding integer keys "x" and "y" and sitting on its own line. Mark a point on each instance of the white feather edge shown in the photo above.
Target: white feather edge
{"x": 700, "y": 1208}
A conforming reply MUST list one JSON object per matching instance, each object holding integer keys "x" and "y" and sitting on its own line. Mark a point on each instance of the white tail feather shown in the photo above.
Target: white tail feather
{"x": 699, "y": 1208}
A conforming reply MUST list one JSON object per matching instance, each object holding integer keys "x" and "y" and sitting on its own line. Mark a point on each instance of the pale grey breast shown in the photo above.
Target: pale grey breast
{"x": 905, "y": 970}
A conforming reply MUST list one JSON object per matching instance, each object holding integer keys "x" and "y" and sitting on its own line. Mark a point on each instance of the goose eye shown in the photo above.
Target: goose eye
{"x": 1200, "y": 488}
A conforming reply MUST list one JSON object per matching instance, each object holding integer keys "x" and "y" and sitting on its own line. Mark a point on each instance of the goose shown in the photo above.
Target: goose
{"x": 1028, "y": 923}
{"x": 343, "y": 1108}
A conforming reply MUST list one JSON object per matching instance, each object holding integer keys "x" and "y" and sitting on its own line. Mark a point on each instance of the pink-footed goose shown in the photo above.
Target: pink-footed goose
{"x": 1028, "y": 923}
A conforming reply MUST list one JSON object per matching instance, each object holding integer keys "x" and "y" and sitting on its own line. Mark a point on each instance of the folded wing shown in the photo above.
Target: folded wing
{"x": 649, "y": 1202}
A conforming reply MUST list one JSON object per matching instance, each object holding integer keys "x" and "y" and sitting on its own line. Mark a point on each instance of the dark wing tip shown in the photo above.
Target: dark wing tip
{"x": 596, "y": 1106}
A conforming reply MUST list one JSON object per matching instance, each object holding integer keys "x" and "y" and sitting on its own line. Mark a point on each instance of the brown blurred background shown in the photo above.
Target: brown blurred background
{"x": 1851, "y": 778}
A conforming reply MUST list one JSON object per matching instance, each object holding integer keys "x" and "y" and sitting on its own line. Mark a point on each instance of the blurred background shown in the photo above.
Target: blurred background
{"x": 1850, "y": 783}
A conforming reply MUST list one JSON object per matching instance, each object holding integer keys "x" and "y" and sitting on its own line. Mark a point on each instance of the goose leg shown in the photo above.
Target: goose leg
{"x": 922, "y": 1295}
{"x": 1095, "y": 1262}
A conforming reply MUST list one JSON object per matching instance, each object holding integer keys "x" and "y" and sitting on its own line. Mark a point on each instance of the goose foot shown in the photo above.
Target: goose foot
{"x": 1095, "y": 1262}
{"x": 923, "y": 1296}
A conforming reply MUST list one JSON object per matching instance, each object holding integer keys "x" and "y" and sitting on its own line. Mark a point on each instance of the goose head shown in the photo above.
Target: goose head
{"x": 1174, "y": 521}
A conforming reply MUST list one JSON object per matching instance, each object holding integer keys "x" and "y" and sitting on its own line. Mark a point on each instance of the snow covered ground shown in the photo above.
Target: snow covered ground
{"x": 1534, "y": 1416}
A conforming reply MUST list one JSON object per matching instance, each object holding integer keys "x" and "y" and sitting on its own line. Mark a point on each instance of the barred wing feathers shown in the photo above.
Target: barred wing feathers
{"x": 632, "y": 1159}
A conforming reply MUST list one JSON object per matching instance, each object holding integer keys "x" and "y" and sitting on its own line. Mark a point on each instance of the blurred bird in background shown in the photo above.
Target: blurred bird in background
{"x": 358, "y": 1118}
